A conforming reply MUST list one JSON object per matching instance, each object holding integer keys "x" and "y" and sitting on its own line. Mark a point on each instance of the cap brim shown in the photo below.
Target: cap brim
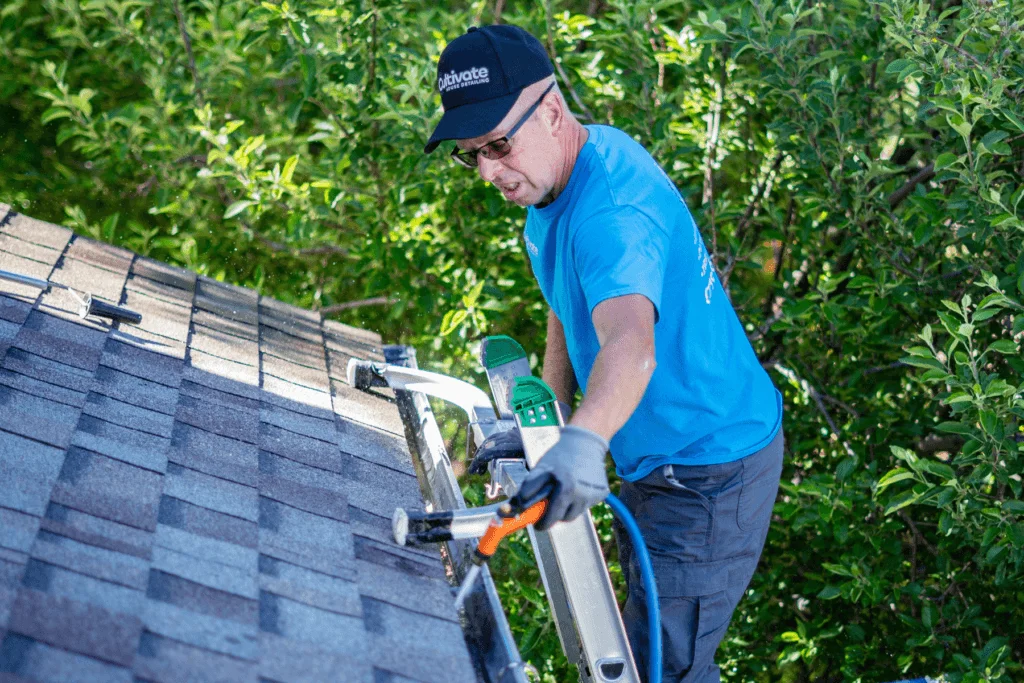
{"x": 471, "y": 120}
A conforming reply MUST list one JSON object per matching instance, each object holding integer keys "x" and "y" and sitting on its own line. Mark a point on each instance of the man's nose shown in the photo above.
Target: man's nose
{"x": 488, "y": 167}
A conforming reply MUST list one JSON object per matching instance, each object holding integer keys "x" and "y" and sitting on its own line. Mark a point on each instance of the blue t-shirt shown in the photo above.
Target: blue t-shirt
{"x": 621, "y": 227}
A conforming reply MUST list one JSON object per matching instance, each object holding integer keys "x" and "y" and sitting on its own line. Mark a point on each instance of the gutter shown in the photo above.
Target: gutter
{"x": 485, "y": 627}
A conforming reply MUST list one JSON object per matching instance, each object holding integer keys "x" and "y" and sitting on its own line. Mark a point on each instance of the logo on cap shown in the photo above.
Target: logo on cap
{"x": 454, "y": 80}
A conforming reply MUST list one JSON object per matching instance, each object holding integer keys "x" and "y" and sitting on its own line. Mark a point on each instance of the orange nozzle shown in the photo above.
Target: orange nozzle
{"x": 502, "y": 527}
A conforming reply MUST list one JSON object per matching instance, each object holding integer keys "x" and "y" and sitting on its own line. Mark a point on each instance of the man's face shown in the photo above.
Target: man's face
{"x": 527, "y": 174}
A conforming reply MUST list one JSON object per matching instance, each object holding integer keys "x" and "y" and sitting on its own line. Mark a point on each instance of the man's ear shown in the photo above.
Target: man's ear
{"x": 551, "y": 110}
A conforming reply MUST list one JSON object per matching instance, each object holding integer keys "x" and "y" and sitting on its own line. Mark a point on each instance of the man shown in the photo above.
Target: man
{"x": 641, "y": 324}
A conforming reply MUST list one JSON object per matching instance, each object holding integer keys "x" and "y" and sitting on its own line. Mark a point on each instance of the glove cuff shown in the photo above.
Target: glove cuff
{"x": 582, "y": 432}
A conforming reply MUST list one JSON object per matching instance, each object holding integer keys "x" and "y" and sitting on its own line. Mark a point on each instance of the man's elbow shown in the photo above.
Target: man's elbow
{"x": 641, "y": 348}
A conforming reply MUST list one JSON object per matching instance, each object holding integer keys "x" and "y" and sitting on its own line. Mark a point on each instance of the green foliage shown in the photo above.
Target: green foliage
{"x": 856, "y": 168}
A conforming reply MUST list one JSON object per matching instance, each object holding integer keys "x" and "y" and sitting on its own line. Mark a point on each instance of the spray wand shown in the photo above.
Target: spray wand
{"x": 507, "y": 520}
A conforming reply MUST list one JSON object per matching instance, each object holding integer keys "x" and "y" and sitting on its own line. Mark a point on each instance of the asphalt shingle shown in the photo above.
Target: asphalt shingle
{"x": 201, "y": 630}
{"x": 46, "y": 370}
{"x": 328, "y": 631}
{"x": 84, "y": 277}
{"x": 41, "y": 389}
{"x": 201, "y": 496}
{"x": 59, "y": 582}
{"x": 296, "y": 397}
{"x": 219, "y": 456}
{"x": 122, "y": 443}
{"x": 99, "y": 563}
{"x": 28, "y": 250}
{"x": 109, "y": 488}
{"x": 30, "y": 660}
{"x": 200, "y": 521}
{"x": 309, "y": 586}
{"x": 22, "y": 266}
{"x": 165, "y": 274}
{"x": 36, "y": 231}
{"x": 36, "y": 418}
{"x": 14, "y": 310}
{"x": 106, "y": 256}
{"x": 165, "y": 660}
{"x": 141, "y": 363}
{"x": 207, "y": 571}
{"x": 192, "y": 543}
{"x": 129, "y": 415}
{"x": 290, "y": 659}
{"x": 75, "y": 626}
{"x": 212, "y": 493}
{"x": 136, "y": 391}
{"x": 97, "y": 531}
{"x": 28, "y": 470}
{"x": 17, "y": 529}
{"x": 299, "y": 448}
{"x": 199, "y": 598}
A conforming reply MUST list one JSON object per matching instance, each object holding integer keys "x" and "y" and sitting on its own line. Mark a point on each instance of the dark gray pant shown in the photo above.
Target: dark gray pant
{"x": 705, "y": 526}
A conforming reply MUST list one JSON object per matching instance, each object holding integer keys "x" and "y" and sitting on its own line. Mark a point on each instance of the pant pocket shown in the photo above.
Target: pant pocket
{"x": 713, "y": 614}
{"x": 695, "y": 612}
{"x": 693, "y": 512}
{"x": 760, "y": 472}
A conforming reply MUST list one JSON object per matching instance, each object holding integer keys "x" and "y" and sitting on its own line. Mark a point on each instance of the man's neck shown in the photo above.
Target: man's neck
{"x": 570, "y": 152}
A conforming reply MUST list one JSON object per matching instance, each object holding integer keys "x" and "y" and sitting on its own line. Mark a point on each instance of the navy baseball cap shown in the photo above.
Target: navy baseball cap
{"x": 480, "y": 75}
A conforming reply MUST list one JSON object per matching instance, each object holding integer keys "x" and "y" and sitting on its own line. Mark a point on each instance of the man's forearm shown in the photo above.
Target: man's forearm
{"x": 558, "y": 373}
{"x": 618, "y": 380}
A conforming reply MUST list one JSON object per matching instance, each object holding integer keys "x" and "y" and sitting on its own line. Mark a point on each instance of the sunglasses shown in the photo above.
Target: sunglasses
{"x": 496, "y": 149}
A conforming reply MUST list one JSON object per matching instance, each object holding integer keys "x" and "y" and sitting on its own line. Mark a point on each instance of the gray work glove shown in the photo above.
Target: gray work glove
{"x": 574, "y": 470}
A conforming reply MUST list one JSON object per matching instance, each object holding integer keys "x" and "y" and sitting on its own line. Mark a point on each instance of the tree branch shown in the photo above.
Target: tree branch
{"x": 922, "y": 176}
{"x": 816, "y": 396}
{"x": 561, "y": 72}
{"x": 188, "y": 50}
{"x": 318, "y": 250}
{"x": 375, "y": 301}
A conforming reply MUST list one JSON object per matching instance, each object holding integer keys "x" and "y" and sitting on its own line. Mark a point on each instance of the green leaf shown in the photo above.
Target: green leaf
{"x": 945, "y": 159}
{"x": 940, "y": 469}
{"x": 237, "y": 208}
{"x": 899, "y": 65}
{"x": 901, "y": 501}
{"x": 65, "y": 134}
{"x": 54, "y": 113}
{"x": 904, "y": 454}
{"x": 918, "y": 362}
{"x": 289, "y": 169}
{"x": 957, "y": 123}
{"x": 892, "y": 476}
{"x": 829, "y": 593}
{"x": 989, "y": 422}
{"x": 994, "y": 136}
{"x": 928, "y": 615}
{"x": 1004, "y": 346}
{"x": 839, "y": 569}
{"x": 1014, "y": 119}
{"x": 845, "y": 468}
{"x": 954, "y": 428}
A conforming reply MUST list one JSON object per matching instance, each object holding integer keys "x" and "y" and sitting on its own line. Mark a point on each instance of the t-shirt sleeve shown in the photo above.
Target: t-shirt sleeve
{"x": 619, "y": 252}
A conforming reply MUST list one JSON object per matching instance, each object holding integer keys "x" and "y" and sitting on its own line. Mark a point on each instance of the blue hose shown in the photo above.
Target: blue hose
{"x": 650, "y": 588}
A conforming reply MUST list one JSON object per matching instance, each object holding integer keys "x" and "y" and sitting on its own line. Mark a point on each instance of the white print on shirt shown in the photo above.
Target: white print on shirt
{"x": 698, "y": 241}
{"x": 530, "y": 246}
{"x": 702, "y": 255}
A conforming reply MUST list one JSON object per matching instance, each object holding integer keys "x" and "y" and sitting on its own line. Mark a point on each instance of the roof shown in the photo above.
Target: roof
{"x": 201, "y": 496}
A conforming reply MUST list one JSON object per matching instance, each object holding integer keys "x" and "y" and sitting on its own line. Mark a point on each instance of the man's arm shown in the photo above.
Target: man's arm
{"x": 623, "y": 367}
{"x": 575, "y": 465}
{"x": 558, "y": 373}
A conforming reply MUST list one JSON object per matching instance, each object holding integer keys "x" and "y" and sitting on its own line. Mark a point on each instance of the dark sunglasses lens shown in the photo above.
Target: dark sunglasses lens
{"x": 467, "y": 159}
{"x": 496, "y": 149}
